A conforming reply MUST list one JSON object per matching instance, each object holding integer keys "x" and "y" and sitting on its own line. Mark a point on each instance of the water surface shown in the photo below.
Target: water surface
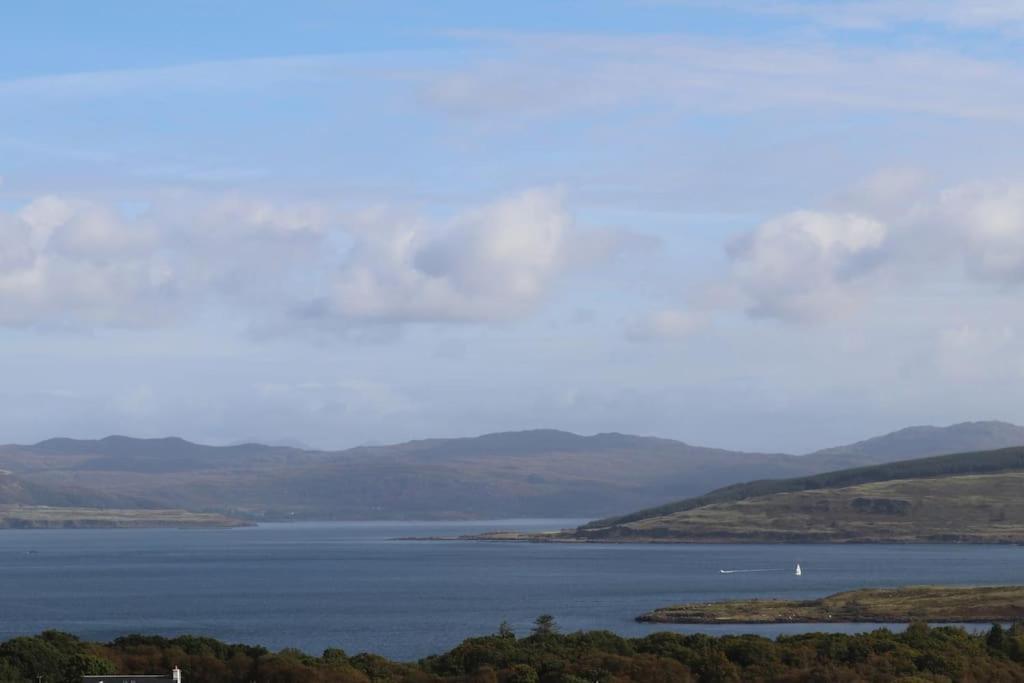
{"x": 349, "y": 585}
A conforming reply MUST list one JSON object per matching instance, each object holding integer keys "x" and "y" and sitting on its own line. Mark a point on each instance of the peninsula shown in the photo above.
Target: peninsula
{"x": 45, "y": 517}
{"x": 935, "y": 604}
{"x": 962, "y": 498}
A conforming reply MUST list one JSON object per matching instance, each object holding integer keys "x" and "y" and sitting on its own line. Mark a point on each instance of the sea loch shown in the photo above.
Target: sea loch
{"x": 349, "y": 585}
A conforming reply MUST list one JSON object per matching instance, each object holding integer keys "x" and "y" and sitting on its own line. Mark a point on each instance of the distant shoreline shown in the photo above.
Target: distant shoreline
{"x": 564, "y": 536}
{"x": 22, "y": 517}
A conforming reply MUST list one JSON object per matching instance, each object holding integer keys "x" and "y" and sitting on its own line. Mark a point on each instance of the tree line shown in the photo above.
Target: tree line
{"x": 918, "y": 654}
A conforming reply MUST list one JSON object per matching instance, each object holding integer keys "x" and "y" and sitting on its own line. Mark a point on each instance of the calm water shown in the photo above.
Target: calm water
{"x": 347, "y": 584}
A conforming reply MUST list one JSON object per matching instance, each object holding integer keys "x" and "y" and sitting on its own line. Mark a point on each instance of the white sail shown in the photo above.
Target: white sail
{"x": 798, "y": 572}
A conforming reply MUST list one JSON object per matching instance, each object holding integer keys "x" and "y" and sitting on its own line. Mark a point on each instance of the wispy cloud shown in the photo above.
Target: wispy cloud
{"x": 217, "y": 75}
{"x": 548, "y": 75}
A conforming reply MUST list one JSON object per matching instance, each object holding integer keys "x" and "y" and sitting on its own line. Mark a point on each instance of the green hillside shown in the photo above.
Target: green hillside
{"x": 969, "y": 497}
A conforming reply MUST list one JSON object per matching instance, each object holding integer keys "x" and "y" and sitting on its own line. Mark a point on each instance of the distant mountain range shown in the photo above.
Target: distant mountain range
{"x": 536, "y": 473}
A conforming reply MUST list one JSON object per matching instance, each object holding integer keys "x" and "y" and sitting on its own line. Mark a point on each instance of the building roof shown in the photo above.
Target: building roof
{"x": 128, "y": 679}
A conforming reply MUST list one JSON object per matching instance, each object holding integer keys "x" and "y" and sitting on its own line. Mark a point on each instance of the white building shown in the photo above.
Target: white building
{"x": 174, "y": 677}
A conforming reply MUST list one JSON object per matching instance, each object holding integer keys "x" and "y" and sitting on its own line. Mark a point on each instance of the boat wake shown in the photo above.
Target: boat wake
{"x": 745, "y": 571}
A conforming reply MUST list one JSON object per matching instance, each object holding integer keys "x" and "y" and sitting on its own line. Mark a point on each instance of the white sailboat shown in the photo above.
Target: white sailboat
{"x": 798, "y": 572}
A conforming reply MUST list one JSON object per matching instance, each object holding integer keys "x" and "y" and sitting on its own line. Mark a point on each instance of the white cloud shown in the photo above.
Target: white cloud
{"x": 800, "y": 266}
{"x": 73, "y": 262}
{"x": 80, "y": 263}
{"x": 84, "y": 229}
{"x": 236, "y": 216}
{"x": 262, "y": 255}
{"x": 989, "y": 221}
{"x": 495, "y": 262}
{"x": 76, "y": 262}
{"x": 895, "y": 238}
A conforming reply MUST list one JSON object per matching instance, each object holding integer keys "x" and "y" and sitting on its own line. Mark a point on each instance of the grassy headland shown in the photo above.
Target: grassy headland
{"x": 962, "y": 498}
{"x": 964, "y": 509}
{"x": 44, "y": 517}
{"x": 936, "y": 604}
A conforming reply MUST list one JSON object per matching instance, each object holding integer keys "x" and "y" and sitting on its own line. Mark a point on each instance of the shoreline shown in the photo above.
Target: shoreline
{"x": 557, "y": 537}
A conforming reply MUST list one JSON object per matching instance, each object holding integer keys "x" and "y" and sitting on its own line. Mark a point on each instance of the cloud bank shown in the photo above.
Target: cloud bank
{"x": 72, "y": 262}
{"x": 810, "y": 265}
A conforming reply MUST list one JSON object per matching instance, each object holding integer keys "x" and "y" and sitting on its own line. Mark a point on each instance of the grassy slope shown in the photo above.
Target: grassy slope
{"x": 973, "y": 509}
{"x": 936, "y": 604}
{"x": 1004, "y": 460}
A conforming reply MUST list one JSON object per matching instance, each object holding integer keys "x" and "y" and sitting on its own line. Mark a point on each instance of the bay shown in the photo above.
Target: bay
{"x": 351, "y": 585}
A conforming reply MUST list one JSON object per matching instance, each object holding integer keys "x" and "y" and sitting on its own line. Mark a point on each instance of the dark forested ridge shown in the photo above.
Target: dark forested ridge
{"x": 545, "y": 656}
{"x": 533, "y": 473}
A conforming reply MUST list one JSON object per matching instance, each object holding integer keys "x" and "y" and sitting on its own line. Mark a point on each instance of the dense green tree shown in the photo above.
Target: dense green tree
{"x": 522, "y": 673}
{"x": 544, "y": 625}
{"x": 996, "y": 639}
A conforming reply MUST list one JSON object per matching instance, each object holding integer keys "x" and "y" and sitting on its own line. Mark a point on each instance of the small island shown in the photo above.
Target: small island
{"x": 935, "y": 604}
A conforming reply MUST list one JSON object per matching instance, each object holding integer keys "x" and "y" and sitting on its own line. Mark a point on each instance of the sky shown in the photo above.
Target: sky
{"x": 760, "y": 225}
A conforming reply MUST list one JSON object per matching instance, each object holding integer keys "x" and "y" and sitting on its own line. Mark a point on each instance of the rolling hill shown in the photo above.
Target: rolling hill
{"x": 922, "y": 441}
{"x": 967, "y": 497}
{"x": 15, "y": 490}
{"x": 532, "y": 473}
{"x": 535, "y": 473}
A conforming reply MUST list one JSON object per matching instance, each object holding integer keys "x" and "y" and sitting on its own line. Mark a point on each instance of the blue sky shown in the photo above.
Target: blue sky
{"x": 772, "y": 226}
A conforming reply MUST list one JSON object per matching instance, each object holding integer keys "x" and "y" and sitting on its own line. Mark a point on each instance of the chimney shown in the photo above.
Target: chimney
{"x": 176, "y": 675}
